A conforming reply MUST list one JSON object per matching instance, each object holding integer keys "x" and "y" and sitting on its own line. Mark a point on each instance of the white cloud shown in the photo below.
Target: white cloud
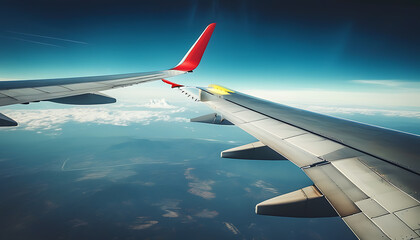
{"x": 141, "y": 224}
{"x": 198, "y": 187}
{"x": 226, "y": 174}
{"x": 159, "y": 103}
{"x": 265, "y": 186}
{"x": 45, "y": 119}
{"x": 188, "y": 174}
{"x": 94, "y": 175}
{"x": 205, "y": 213}
{"x": 107, "y": 173}
{"x": 170, "y": 206}
{"x": 170, "y": 214}
{"x": 231, "y": 228}
{"x": 202, "y": 189}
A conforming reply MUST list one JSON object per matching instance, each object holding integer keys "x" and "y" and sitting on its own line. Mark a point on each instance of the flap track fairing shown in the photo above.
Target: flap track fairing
{"x": 252, "y": 151}
{"x": 304, "y": 203}
{"x": 5, "y": 121}
{"x": 212, "y": 118}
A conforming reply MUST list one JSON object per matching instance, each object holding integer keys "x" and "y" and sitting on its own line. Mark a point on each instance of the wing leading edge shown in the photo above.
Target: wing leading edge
{"x": 365, "y": 174}
{"x": 84, "y": 90}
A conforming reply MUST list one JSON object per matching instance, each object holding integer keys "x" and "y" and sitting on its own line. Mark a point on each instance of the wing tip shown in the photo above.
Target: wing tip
{"x": 194, "y": 55}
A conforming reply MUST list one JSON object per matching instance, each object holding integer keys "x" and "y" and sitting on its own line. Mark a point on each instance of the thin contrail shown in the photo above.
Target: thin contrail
{"x": 48, "y": 37}
{"x": 64, "y": 164}
{"x": 36, "y": 42}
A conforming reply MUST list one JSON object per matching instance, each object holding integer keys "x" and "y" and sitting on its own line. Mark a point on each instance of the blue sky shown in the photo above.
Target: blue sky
{"x": 299, "y": 44}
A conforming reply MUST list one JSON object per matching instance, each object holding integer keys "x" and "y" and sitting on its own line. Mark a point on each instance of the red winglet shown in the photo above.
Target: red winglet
{"x": 193, "y": 56}
{"x": 173, "y": 85}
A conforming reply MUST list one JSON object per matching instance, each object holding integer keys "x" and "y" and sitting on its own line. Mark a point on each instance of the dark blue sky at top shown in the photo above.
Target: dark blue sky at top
{"x": 298, "y": 43}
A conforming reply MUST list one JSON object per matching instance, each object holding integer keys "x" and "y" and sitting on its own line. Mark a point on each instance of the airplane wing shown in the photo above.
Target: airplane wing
{"x": 85, "y": 90}
{"x": 367, "y": 175}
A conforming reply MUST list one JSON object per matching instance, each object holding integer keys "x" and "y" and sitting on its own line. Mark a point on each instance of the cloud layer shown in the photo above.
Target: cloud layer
{"x": 388, "y": 83}
{"x": 363, "y": 111}
{"x": 119, "y": 115}
{"x": 401, "y": 98}
{"x": 159, "y": 103}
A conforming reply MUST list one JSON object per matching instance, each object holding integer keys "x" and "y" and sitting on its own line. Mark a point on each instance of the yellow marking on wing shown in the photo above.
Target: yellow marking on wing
{"x": 216, "y": 89}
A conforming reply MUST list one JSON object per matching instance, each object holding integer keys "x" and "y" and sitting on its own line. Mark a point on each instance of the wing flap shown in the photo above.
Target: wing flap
{"x": 410, "y": 217}
{"x": 363, "y": 227}
{"x": 393, "y": 227}
{"x": 371, "y": 208}
{"x": 388, "y": 196}
{"x": 340, "y": 192}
